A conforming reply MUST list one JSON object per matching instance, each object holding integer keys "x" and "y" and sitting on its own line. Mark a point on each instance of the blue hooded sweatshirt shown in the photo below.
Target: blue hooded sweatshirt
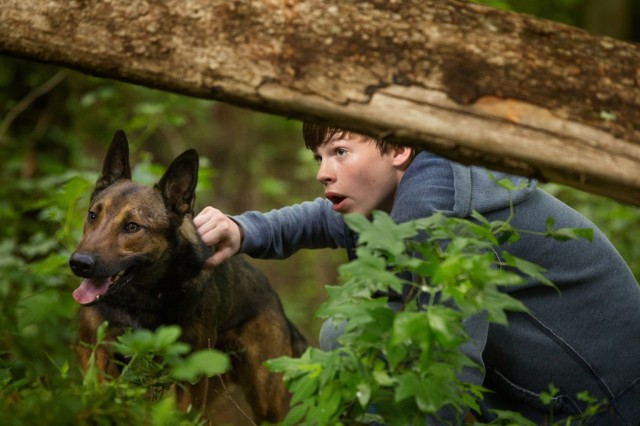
{"x": 586, "y": 337}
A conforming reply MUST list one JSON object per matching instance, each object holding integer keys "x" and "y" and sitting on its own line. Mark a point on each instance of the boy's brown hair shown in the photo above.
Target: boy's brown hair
{"x": 316, "y": 135}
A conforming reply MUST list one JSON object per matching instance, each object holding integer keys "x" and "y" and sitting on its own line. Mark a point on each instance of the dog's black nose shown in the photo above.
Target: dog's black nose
{"x": 82, "y": 264}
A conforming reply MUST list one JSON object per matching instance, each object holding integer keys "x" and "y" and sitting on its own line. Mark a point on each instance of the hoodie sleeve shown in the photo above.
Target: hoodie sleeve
{"x": 280, "y": 233}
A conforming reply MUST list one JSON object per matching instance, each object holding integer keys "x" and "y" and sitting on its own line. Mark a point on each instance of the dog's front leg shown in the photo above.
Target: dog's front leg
{"x": 103, "y": 361}
{"x": 90, "y": 320}
{"x": 192, "y": 396}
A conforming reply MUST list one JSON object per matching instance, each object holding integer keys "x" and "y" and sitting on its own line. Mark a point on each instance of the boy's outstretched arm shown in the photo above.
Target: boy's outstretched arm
{"x": 217, "y": 230}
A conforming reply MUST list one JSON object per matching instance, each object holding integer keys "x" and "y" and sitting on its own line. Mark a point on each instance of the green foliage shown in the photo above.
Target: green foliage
{"x": 155, "y": 361}
{"x": 619, "y": 222}
{"x": 395, "y": 366}
{"x": 142, "y": 347}
{"x": 40, "y": 219}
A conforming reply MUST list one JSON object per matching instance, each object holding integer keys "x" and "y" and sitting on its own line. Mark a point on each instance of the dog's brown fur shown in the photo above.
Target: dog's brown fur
{"x": 148, "y": 234}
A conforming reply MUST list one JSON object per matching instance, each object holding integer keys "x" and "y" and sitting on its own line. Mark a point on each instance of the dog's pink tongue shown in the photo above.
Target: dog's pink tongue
{"x": 90, "y": 289}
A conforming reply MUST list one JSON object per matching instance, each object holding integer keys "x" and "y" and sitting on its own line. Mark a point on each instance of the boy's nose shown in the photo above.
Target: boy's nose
{"x": 324, "y": 175}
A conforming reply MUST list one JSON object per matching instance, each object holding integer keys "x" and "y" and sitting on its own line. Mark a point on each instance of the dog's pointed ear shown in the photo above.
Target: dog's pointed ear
{"x": 178, "y": 184}
{"x": 116, "y": 163}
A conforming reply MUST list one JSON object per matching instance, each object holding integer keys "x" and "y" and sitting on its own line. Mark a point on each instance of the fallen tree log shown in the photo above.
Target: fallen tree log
{"x": 473, "y": 83}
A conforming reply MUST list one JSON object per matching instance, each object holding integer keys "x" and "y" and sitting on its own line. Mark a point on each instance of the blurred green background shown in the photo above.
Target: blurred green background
{"x": 55, "y": 125}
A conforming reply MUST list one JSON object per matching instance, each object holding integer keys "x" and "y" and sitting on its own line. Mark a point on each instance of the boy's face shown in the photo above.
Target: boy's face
{"x": 356, "y": 176}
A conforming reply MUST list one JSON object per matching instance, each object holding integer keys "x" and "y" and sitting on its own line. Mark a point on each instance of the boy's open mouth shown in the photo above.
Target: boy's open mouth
{"x": 337, "y": 201}
{"x": 335, "y": 198}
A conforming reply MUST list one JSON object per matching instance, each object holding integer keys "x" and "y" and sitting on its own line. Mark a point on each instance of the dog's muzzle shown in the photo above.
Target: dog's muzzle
{"x": 82, "y": 264}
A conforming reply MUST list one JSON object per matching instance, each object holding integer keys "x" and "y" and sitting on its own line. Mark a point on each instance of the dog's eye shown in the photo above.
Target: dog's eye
{"x": 91, "y": 216}
{"x": 131, "y": 227}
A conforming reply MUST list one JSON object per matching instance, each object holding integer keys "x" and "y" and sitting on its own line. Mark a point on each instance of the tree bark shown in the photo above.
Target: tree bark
{"x": 475, "y": 84}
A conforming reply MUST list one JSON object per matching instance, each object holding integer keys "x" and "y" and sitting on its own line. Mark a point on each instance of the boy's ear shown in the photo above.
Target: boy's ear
{"x": 178, "y": 184}
{"x": 116, "y": 163}
{"x": 401, "y": 156}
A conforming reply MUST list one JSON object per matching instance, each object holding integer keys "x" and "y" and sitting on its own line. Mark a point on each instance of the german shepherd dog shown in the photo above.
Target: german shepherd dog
{"x": 142, "y": 263}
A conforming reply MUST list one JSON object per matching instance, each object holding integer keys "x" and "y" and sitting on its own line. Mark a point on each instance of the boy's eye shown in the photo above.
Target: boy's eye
{"x": 131, "y": 227}
{"x": 340, "y": 151}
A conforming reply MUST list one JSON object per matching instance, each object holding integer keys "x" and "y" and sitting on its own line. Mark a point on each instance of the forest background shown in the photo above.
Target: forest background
{"x": 55, "y": 125}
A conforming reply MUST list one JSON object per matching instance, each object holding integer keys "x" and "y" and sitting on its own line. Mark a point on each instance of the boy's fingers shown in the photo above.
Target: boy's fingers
{"x": 204, "y": 216}
{"x": 217, "y": 258}
{"x": 217, "y": 230}
{"x": 198, "y": 221}
{"x": 210, "y": 263}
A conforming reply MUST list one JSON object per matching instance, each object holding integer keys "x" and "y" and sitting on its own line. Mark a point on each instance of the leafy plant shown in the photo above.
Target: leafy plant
{"x": 156, "y": 360}
{"x": 397, "y": 366}
{"x": 161, "y": 353}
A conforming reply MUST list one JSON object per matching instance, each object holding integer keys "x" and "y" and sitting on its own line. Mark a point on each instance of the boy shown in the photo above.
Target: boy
{"x": 585, "y": 338}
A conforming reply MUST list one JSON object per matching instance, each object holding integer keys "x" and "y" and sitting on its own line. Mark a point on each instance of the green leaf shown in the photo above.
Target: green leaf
{"x": 411, "y": 328}
{"x": 205, "y": 362}
{"x": 304, "y": 387}
{"x": 565, "y": 234}
{"x": 163, "y": 413}
{"x": 547, "y": 397}
{"x": 429, "y": 394}
{"x": 364, "y": 394}
{"x": 295, "y": 415}
{"x": 445, "y": 325}
{"x": 507, "y": 184}
{"x": 383, "y": 378}
{"x": 166, "y": 336}
{"x": 511, "y": 418}
{"x": 409, "y": 385}
{"x": 329, "y": 404}
{"x": 132, "y": 342}
{"x": 382, "y": 232}
{"x": 528, "y": 268}
{"x": 90, "y": 378}
{"x": 5, "y": 376}
{"x": 497, "y": 304}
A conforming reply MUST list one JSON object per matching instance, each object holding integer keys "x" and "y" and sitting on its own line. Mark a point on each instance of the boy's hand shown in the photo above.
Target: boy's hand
{"x": 217, "y": 230}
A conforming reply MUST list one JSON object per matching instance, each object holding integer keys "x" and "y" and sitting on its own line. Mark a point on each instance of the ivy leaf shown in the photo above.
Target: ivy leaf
{"x": 411, "y": 328}
{"x": 507, "y": 184}
{"x": 498, "y": 303}
{"x": 382, "y": 232}
{"x": 409, "y": 386}
{"x": 565, "y": 234}
{"x": 431, "y": 392}
{"x": 445, "y": 326}
{"x": 367, "y": 274}
{"x": 528, "y": 268}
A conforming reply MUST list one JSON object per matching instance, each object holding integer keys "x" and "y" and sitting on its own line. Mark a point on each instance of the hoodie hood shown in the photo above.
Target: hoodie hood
{"x": 477, "y": 189}
{"x": 435, "y": 184}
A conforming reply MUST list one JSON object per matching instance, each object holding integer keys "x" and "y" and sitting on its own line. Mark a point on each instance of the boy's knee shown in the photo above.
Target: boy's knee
{"x": 329, "y": 333}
